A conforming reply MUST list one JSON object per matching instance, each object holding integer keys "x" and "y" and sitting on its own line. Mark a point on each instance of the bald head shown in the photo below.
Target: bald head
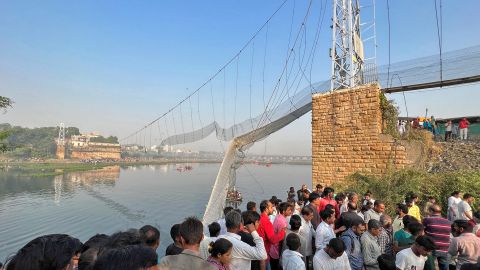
{"x": 435, "y": 209}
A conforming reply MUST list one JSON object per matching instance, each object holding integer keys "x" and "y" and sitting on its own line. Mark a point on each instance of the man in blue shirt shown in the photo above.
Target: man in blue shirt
{"x": 353, "y": 248}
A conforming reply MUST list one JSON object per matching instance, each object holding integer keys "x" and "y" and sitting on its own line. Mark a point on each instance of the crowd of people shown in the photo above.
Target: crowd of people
{"x": 317, "y": 230}
{"x": 453, "y": 131}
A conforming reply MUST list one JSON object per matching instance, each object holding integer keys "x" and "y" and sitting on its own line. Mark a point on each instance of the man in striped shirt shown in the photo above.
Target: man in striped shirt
{"x": 438, "y": 228}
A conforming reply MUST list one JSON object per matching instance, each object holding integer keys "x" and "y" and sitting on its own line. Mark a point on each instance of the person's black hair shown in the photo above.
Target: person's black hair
{"x": 467, "y": 196}
{"x": 374, "y": 224}
{"x": 313, "y": 196}
{"x": 319, "y": 186}
{"x": 306, "y": 211}
{"x": 327, "y": 191}
{"x": 415, "y": 228}
{"x": 283, "y": 207}
{"x": 136, "y": 257}
{"x": 233, "y": 220}
{"x": 356, "y": 221}
{"x": 226, "y": 210}
{"x": 96, "y": 241}
{"x": 464, "y": 224}
{"x": 293, "y": 241}
{"x": 337, "y": 245}
{"x": 251, "y": 206}
{"x": 325, "y": 214}
{"x": 219, "y": 247}
{"x": 403, "y": 207}
{"x": 295, "y": 222}
{"x": 263, "y": 206}
{"x": 275, "y": 201}
{"x": 340, "y": 197}
{"x": 175, "y": 232}
{"x": 426, "y": 242}
{"x": 54, "y": 251}
{"x": 456, "y": 192}
{"x": 386, "y": 262}
{"x": 352, "y": 206}
{"x": 191, "y": 230}
{"x": 214, "y": 229}
{"x": 378, "y": 202}
{"x": 407, "y": 219}
{"x": 250, "y": 217}
{"x": 329, "y": 207}
{"x": 122, "y": 239}
{"x": 150, "y": 235}
{"x": 88, "y": 258}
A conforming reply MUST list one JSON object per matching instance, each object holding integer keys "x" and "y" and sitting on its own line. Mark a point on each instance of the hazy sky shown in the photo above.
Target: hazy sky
{"x": 112, "y": 66}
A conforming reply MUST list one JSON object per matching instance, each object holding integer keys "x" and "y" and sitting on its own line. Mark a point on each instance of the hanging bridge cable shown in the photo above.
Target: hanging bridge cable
{"x": 159, "y": 133}
{"x": 224, "y": 103}
{"x": 235, "y": 99}
{"x": 166, "y": 127}
{"x": 145, "y": 140}
{"x": 316, "y": 39}
{"x": 219, "y": 71}
{"x": 264, "y": 67}
{"x": 264, "y": 117}
{"x": 215, "y": 120}
{"x": 198, "y": 112}
{"x": 389, "y": 39}
{"x": 250, "y": 84}
{"x": 191, "y": 117}
{"x": 181, "y": 122}
{"x": 439, "y": 35}
{"x": 150, "y": 143}
{"x": 255, "y": 179}
{"x": 174, "y": 127}
{"x": 290, "y": 38}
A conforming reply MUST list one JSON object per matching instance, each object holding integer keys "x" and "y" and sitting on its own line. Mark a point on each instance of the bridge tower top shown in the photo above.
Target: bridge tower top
{"x": 347, "y": 52}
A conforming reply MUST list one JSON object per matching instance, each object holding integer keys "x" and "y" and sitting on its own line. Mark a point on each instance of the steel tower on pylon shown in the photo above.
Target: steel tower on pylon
{"x": 347, "y": 46}
{"x": 61, "y": 134}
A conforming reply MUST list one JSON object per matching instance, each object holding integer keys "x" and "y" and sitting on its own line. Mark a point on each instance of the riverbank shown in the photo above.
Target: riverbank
{"x": 57, "y": 167}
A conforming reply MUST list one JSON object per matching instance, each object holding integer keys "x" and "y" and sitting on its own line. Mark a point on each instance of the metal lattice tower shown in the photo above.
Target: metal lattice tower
{"x": 61, "y": 134}
{"x": 347, "y": 46}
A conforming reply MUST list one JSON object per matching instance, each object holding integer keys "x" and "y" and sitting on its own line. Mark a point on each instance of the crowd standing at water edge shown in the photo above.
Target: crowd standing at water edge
{"x": 319, "y": 230}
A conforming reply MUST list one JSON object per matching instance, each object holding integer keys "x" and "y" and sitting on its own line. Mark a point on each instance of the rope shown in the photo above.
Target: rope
{"x": 439, "y": 35}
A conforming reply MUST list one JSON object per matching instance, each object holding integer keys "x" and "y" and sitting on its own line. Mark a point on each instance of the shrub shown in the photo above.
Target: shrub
{"x": 393, "y": 187}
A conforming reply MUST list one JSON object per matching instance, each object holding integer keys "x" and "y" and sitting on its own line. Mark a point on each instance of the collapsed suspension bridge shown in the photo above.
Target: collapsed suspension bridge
{"x": 277, "y": 100}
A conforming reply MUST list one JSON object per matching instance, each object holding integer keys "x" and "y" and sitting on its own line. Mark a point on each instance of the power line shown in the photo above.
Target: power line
{"x": 439, "y": 35}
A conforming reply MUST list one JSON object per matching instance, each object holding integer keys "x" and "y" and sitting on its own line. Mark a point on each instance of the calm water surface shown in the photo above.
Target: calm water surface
{"x": 85, "y": 203}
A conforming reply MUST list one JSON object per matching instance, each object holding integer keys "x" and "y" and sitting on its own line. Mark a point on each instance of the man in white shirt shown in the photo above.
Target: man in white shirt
{"x": 464, "y": 208}
{"x": 291, "y": 258}
{"x": 306, "y": 230}
{"x": 325, "y": 232}
{"x": 243, "y": 253}
{"x": 332, "y": 257}
{"x": 415, "y": 256}
{"x": 223, "y": 228}
{"x": 453, "y": 202}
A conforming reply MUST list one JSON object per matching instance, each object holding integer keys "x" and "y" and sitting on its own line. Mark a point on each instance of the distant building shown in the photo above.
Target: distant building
{"x": 81, "y": 147}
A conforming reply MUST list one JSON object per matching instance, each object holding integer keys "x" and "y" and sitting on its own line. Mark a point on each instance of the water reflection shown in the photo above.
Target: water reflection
{"x": 14, "y": 183}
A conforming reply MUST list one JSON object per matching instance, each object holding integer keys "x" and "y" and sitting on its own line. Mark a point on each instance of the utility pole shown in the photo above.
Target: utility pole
{"x": 347, "y": 46}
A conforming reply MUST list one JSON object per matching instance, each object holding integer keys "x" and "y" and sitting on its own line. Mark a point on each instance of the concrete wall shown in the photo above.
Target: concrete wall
{"x": 346, "y": 136}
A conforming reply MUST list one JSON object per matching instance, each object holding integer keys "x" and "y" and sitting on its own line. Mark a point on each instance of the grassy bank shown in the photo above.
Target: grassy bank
{"x": 393, "y": 187}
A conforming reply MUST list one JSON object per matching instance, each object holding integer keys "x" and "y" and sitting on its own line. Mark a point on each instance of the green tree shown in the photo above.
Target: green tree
{"x": 4, "y": 104}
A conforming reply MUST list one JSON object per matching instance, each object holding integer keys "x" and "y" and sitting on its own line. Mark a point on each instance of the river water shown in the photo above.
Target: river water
{"x": 115, "y": 198}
